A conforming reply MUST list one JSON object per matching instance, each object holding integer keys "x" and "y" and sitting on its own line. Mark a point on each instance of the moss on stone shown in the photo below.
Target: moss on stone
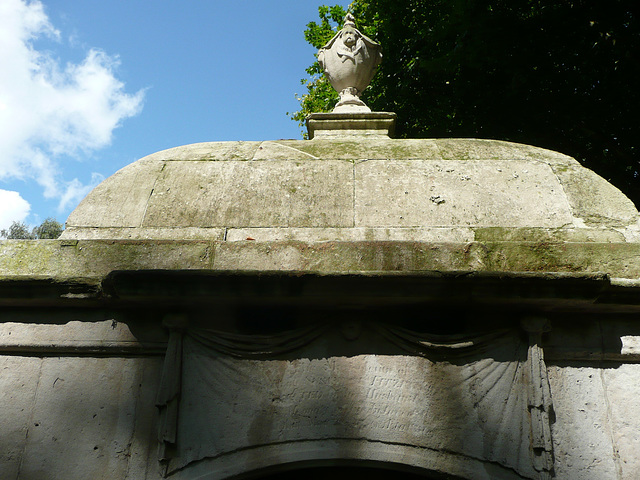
{"x": 530, "y": 234}
{"x": 96, "y": 258}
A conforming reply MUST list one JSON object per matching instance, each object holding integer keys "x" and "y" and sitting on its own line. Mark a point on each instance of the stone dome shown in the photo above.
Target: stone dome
{"x": 356, "y": 188}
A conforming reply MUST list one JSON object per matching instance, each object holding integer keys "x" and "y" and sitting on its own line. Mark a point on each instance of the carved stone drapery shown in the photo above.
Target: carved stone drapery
{"x": 480, "y": 396}
{"x": 540, "y": 403}
{"x": 168, "y": 396}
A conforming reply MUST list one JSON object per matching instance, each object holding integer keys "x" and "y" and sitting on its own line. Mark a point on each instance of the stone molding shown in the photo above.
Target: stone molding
{"x": 332, "y": 125}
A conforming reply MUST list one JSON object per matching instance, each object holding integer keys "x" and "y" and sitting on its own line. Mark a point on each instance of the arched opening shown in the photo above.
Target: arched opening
{"x": 350, "y": 472}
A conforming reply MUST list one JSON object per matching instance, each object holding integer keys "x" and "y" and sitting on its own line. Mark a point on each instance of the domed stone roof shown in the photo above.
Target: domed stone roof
{"x": 354, "y": 188}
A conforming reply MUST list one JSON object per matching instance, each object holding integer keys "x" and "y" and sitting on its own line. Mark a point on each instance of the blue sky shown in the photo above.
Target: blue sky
{"x": 89, "y": 86}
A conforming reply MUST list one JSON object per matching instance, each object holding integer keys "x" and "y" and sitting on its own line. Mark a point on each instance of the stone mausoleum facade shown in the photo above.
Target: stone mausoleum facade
{"x": 452, "y": 308}
{"x": 350, "y": 305}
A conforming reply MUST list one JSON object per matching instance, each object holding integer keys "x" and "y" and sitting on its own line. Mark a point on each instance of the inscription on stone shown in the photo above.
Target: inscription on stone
{"x": 230, "y": 405}
{"x": 378, "y": 398}
{"x": 350, "y": 398}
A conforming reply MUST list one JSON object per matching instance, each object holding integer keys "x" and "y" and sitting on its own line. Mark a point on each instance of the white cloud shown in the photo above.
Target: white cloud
{"x": 75, "y": 191}
{"x": 51, "y": 113}
{"x": 14, "y": 208}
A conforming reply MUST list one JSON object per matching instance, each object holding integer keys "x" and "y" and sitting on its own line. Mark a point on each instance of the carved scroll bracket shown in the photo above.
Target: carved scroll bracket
{"x": 539, "y": 397}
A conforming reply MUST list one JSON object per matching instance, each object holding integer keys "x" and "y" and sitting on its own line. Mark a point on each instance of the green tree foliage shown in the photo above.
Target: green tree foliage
{"x": 18, "y": 231}
{"x": 559, "y": 75}
{"x": 49, "y": 229}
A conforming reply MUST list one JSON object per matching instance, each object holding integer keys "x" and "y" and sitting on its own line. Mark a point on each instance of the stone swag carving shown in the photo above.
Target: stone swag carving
{"x": 496, "y": 381}
{"x": 349, "y": 61}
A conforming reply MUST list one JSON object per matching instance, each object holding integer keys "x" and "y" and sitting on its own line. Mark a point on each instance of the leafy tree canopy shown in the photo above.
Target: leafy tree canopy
{"x": 559, "y": 75}
{"x": 49, "y": 229}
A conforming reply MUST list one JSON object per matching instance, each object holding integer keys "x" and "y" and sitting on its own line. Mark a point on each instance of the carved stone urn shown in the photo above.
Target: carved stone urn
{"x": 349, "y": 61}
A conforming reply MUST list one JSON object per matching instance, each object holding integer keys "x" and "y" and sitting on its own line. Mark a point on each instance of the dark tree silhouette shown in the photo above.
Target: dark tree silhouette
{"x": 559, "y": 75}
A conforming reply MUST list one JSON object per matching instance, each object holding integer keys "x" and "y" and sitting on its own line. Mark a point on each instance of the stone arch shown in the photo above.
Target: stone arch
{"x": 341, "y": 470}
{"x": 309, "y": 459}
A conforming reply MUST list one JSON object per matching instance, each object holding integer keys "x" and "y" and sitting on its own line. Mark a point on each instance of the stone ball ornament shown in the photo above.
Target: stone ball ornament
{"x": 349, "y": 61}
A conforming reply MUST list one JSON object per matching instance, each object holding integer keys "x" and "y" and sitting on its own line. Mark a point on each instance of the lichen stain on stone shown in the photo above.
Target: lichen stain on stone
{"x": 30, "y": 256}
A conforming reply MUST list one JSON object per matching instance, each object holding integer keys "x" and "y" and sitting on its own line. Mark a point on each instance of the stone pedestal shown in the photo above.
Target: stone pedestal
{"x": 327, "y": 125}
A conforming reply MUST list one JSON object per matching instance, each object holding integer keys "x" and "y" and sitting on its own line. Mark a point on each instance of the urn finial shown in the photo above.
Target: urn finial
{"x": 349, "y": 61}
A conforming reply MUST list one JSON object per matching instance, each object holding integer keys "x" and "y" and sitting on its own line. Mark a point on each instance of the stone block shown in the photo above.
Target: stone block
{"x": 618, "y": 259}
{"x": 186, "y": 233}
{"x": 86, "y": 406}
{"x": 252, "y": 194}
{"x": 107, "y": 336}
{"x": 283, "y": 150}
{"x": 345, "y": 256}
{"x": 120, "y": 200}
{"x": 351, "y": 148}
{"x": 582, "y": 433}
{"x": 18, "y": 384}
{"x": 314, "y": 235}
{"x": 595, "y": 200}
{"x": 342, "y": 124}
{"x": 490, "y": 194}
{"x": 546, "y": 235}
{"x": 208, "y": 151}
{"x": 622, "y": 395}
{"x": 484, "y": 149}
{"x": 143, "y": 453}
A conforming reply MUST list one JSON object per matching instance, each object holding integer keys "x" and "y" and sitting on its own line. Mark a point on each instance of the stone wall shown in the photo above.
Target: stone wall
{"x": 81, "y": 372}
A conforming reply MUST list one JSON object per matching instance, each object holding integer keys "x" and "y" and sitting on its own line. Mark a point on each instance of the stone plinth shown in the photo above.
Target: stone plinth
{"x": 378, "y": 124}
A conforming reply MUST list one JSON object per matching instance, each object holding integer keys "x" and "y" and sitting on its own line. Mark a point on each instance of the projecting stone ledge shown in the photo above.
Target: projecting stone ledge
{"x": 323, "y": 125}
{"x": 65, "y": 260}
